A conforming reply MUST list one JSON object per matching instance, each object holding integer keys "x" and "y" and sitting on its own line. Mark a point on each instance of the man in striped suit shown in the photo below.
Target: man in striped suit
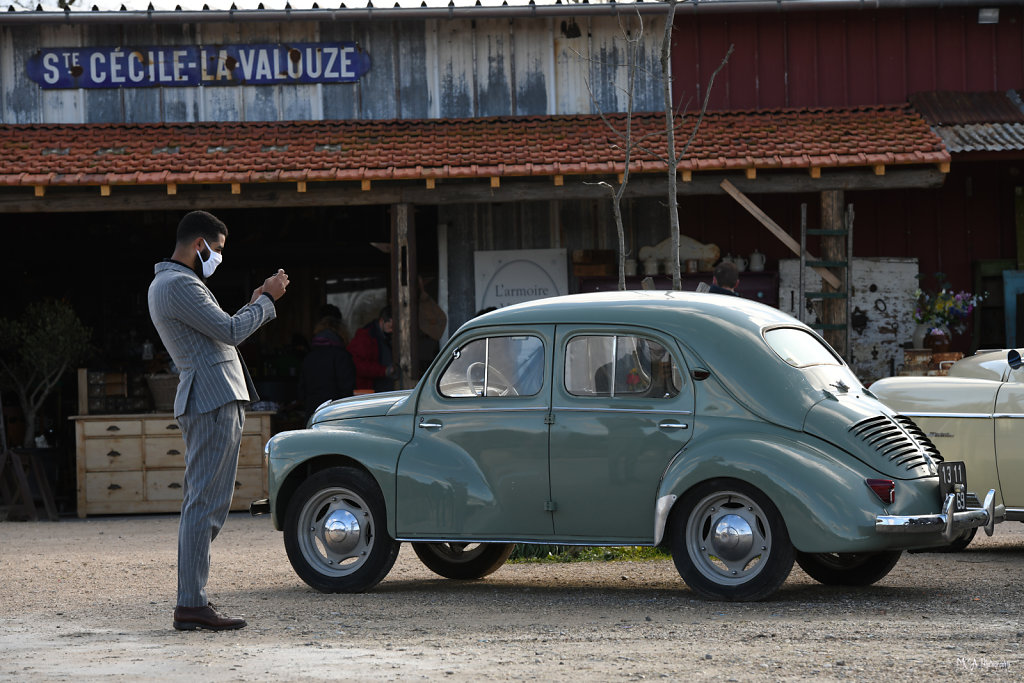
{"x": 214, "y": 387}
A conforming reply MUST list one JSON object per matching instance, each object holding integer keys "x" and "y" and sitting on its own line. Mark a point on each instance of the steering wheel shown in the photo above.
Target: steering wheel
{"x": 497, "y": 383}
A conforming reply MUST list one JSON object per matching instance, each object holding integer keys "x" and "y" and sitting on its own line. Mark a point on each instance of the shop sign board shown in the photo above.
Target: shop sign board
{"x": 504, "y": 278}
{"x": 184, "y": 65}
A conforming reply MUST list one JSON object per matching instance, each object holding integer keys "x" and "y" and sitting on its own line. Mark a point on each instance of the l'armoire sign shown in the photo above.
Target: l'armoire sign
{"x": 184, "y": 65}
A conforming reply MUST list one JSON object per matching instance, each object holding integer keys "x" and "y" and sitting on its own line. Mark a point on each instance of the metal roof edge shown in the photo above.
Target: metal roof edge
{"x": 568, "y": 8}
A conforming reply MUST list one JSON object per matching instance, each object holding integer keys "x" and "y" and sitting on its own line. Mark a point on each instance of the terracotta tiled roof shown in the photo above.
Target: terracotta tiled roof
{"x": 253, "y": 152}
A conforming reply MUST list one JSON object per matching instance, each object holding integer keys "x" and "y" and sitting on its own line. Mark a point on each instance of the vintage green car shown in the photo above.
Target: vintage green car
{"x": 721, "y": 428}
{"x": 975, "y": 414}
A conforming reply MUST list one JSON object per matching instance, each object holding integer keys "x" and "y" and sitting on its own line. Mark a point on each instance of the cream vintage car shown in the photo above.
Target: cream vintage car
{"x": 974, "y": 415}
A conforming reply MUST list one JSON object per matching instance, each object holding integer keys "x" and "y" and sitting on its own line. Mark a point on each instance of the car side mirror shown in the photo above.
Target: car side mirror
{"x": 1014, "y": 359}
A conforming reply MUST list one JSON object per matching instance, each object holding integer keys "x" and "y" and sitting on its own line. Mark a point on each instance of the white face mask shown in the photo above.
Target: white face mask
{"x": 210, "y": 264}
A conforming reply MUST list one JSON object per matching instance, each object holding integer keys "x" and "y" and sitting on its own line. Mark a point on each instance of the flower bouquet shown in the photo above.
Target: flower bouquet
{"x": 945, "y": 308}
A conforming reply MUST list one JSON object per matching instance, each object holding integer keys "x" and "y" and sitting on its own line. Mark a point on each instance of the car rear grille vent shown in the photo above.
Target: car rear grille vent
{"x": 897, "y": 439}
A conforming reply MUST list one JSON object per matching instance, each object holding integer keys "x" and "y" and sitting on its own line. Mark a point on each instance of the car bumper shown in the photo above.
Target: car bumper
{"x": 259, "y": 507}
{"x": 950, "y": 524}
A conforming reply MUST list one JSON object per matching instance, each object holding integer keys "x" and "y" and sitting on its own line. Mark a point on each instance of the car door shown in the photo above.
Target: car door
{"x": 477, "y": 464}
{"x": 1009, "y": 428}
{"x": 622, "y": 408}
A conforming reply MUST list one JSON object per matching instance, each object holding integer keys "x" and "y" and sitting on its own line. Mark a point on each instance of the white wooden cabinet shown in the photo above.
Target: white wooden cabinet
{"x": 136, "y": 463}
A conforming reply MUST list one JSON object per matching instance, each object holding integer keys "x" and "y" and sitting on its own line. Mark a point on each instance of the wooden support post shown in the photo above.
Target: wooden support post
{"x": 559, "y": 181}
{"x": 236, "y": 188}
{"x": 775, "y": 229}
{"x": 104, "y": 190}
{"x": 40, "y": 190}
{"x": 300, "y": 186}
{"x": 172, "y": 188}
{"x": 751, "y": 173}
{"x": 431, "y": 183}
{"x": 815, "y": 171}
{"x": 495, "y": 181}
{"x": 833, "y": 247}
{"x": 404, "y": 294}
{"x": 687, "y": 176}
{"x": 365, "y": 185}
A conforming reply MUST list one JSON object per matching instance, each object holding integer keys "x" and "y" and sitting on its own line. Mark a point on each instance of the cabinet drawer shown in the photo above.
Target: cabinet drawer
{"x": 120, "y": 453}
{"x": 251, "y": 452}
{"x": 112, "y": 428}
{"x": 103, "y": 487}
{"x": 162, "y": 427}
{"x": 253, "y": 425}
{"x": 165, "y": 451}
{"x": 248, "y": 484}
{"x": 165, "y": 484}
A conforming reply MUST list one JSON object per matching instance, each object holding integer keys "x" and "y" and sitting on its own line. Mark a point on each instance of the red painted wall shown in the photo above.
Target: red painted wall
{"x": 840, "y": 59}
{"x": 808, "y": 59}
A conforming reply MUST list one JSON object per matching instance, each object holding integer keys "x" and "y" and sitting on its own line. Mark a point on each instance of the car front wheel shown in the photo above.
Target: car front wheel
{"x": 335, "y": 532}
{"x": 848, "y": 569}
{"x": 729, "y": 541}
{"x": 463, "y": 560}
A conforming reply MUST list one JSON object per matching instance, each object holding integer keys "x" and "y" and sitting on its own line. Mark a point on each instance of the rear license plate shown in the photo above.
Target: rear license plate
{"x": 953, "y": 479}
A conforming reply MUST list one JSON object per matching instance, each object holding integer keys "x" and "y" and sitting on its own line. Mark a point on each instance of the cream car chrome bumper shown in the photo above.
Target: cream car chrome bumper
{"x": 947, "y": 522}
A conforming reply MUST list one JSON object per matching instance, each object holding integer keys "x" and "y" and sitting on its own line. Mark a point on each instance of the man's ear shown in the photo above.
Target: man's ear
{"x": 198, "y": 244}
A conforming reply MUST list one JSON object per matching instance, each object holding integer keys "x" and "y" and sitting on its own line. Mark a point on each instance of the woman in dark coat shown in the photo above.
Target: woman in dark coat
{"x": 327, "y": 370}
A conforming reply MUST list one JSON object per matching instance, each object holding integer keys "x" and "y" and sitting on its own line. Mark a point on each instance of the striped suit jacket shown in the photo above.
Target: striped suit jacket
{"x": 202, "y": 339}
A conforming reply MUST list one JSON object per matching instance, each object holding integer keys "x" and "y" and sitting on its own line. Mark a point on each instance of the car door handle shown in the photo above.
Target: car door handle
{"x": 673, "y": 425}
{"x": 430, "y": 425}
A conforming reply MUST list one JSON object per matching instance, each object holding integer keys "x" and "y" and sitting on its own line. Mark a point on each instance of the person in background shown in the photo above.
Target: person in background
{"x": 371, "y": 351}
{"x": 328, "y": 371}
{"x": 725, "y": 279}
{"x": 214, "y": 387}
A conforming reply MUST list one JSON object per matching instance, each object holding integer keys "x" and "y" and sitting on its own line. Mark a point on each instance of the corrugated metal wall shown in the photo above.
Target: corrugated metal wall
{"x": 420, "y": 69}
{"x": 809, "y": 59}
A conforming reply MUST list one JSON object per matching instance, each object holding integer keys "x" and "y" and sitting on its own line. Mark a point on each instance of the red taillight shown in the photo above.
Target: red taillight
{"x": 885, "y": 489}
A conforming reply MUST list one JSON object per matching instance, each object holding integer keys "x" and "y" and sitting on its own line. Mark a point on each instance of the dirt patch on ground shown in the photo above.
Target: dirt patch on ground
{"x": 89, "y": 599}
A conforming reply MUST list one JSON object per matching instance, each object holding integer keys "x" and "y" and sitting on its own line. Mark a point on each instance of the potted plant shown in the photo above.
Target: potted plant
{"x": 36, "y": 350}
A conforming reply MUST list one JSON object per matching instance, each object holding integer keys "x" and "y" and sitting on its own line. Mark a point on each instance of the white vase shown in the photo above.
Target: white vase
{"x": 920, "y": 332}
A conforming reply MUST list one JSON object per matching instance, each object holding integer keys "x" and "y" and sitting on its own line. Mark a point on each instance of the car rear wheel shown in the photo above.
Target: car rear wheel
{"x": 335, "y": 532}
{"x": 463, "y": 560}
{"x": 848, "y": 569}
{"x": 729, "y": 541}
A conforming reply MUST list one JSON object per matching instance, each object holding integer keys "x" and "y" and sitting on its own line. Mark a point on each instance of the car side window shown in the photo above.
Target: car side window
{"x": 620, "y": 366}
{"x": 495, "y": 366}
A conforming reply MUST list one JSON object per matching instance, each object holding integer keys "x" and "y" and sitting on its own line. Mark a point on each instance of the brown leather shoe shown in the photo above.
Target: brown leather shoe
{"x": 192, "y": 618}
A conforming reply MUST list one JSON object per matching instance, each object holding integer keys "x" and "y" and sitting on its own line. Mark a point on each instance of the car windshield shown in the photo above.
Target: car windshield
{"x": 799, "y": 347}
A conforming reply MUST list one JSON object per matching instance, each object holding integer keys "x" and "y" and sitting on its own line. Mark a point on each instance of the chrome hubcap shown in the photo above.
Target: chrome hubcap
{"x": 732, "y": 538}
{"x": 341, "y": 531}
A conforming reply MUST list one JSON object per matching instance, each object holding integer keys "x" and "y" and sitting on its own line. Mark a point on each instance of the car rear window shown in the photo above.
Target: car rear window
{"x": 799, "y": 347}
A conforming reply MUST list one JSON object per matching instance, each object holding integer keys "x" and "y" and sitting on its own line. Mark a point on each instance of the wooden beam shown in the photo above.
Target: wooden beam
{"x": 559, "y": 181}
{"x": 879, "y": 169}
{"x": 404, "y": 294}
{"x": 495, "y": 181}
{"x": 944, "y": 167}
{"x": 236, "y": 188}
{"x": 776, "y": 230}
{"x": 40, "y": 190}
{"x": 104, "y": 190}
{"x": 815, "y": 171}
{"x": 431, "y": 183}
{"x": 365, "y": 185}
{"x": 687, "y": 175}
{"x": 751, "y": 173}
{"x": 172, "y": 188}
{"x": 300, "y": 186}
{"x": 83, "y": 199}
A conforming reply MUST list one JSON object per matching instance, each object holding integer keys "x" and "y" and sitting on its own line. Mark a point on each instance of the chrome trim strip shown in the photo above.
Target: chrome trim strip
{"x": 574, "y": 409}
{"x": 554, "y": 540}
{"x": 985, "y": 416}
{"x": 664, "y": 507}
{"x": 1012, "y": 416}
{"x": 529, "y": 409}
{"x": 1014, "y": 515}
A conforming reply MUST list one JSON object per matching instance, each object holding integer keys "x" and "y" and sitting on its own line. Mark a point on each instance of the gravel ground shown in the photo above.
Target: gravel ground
{"x": 91, "y": 599}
